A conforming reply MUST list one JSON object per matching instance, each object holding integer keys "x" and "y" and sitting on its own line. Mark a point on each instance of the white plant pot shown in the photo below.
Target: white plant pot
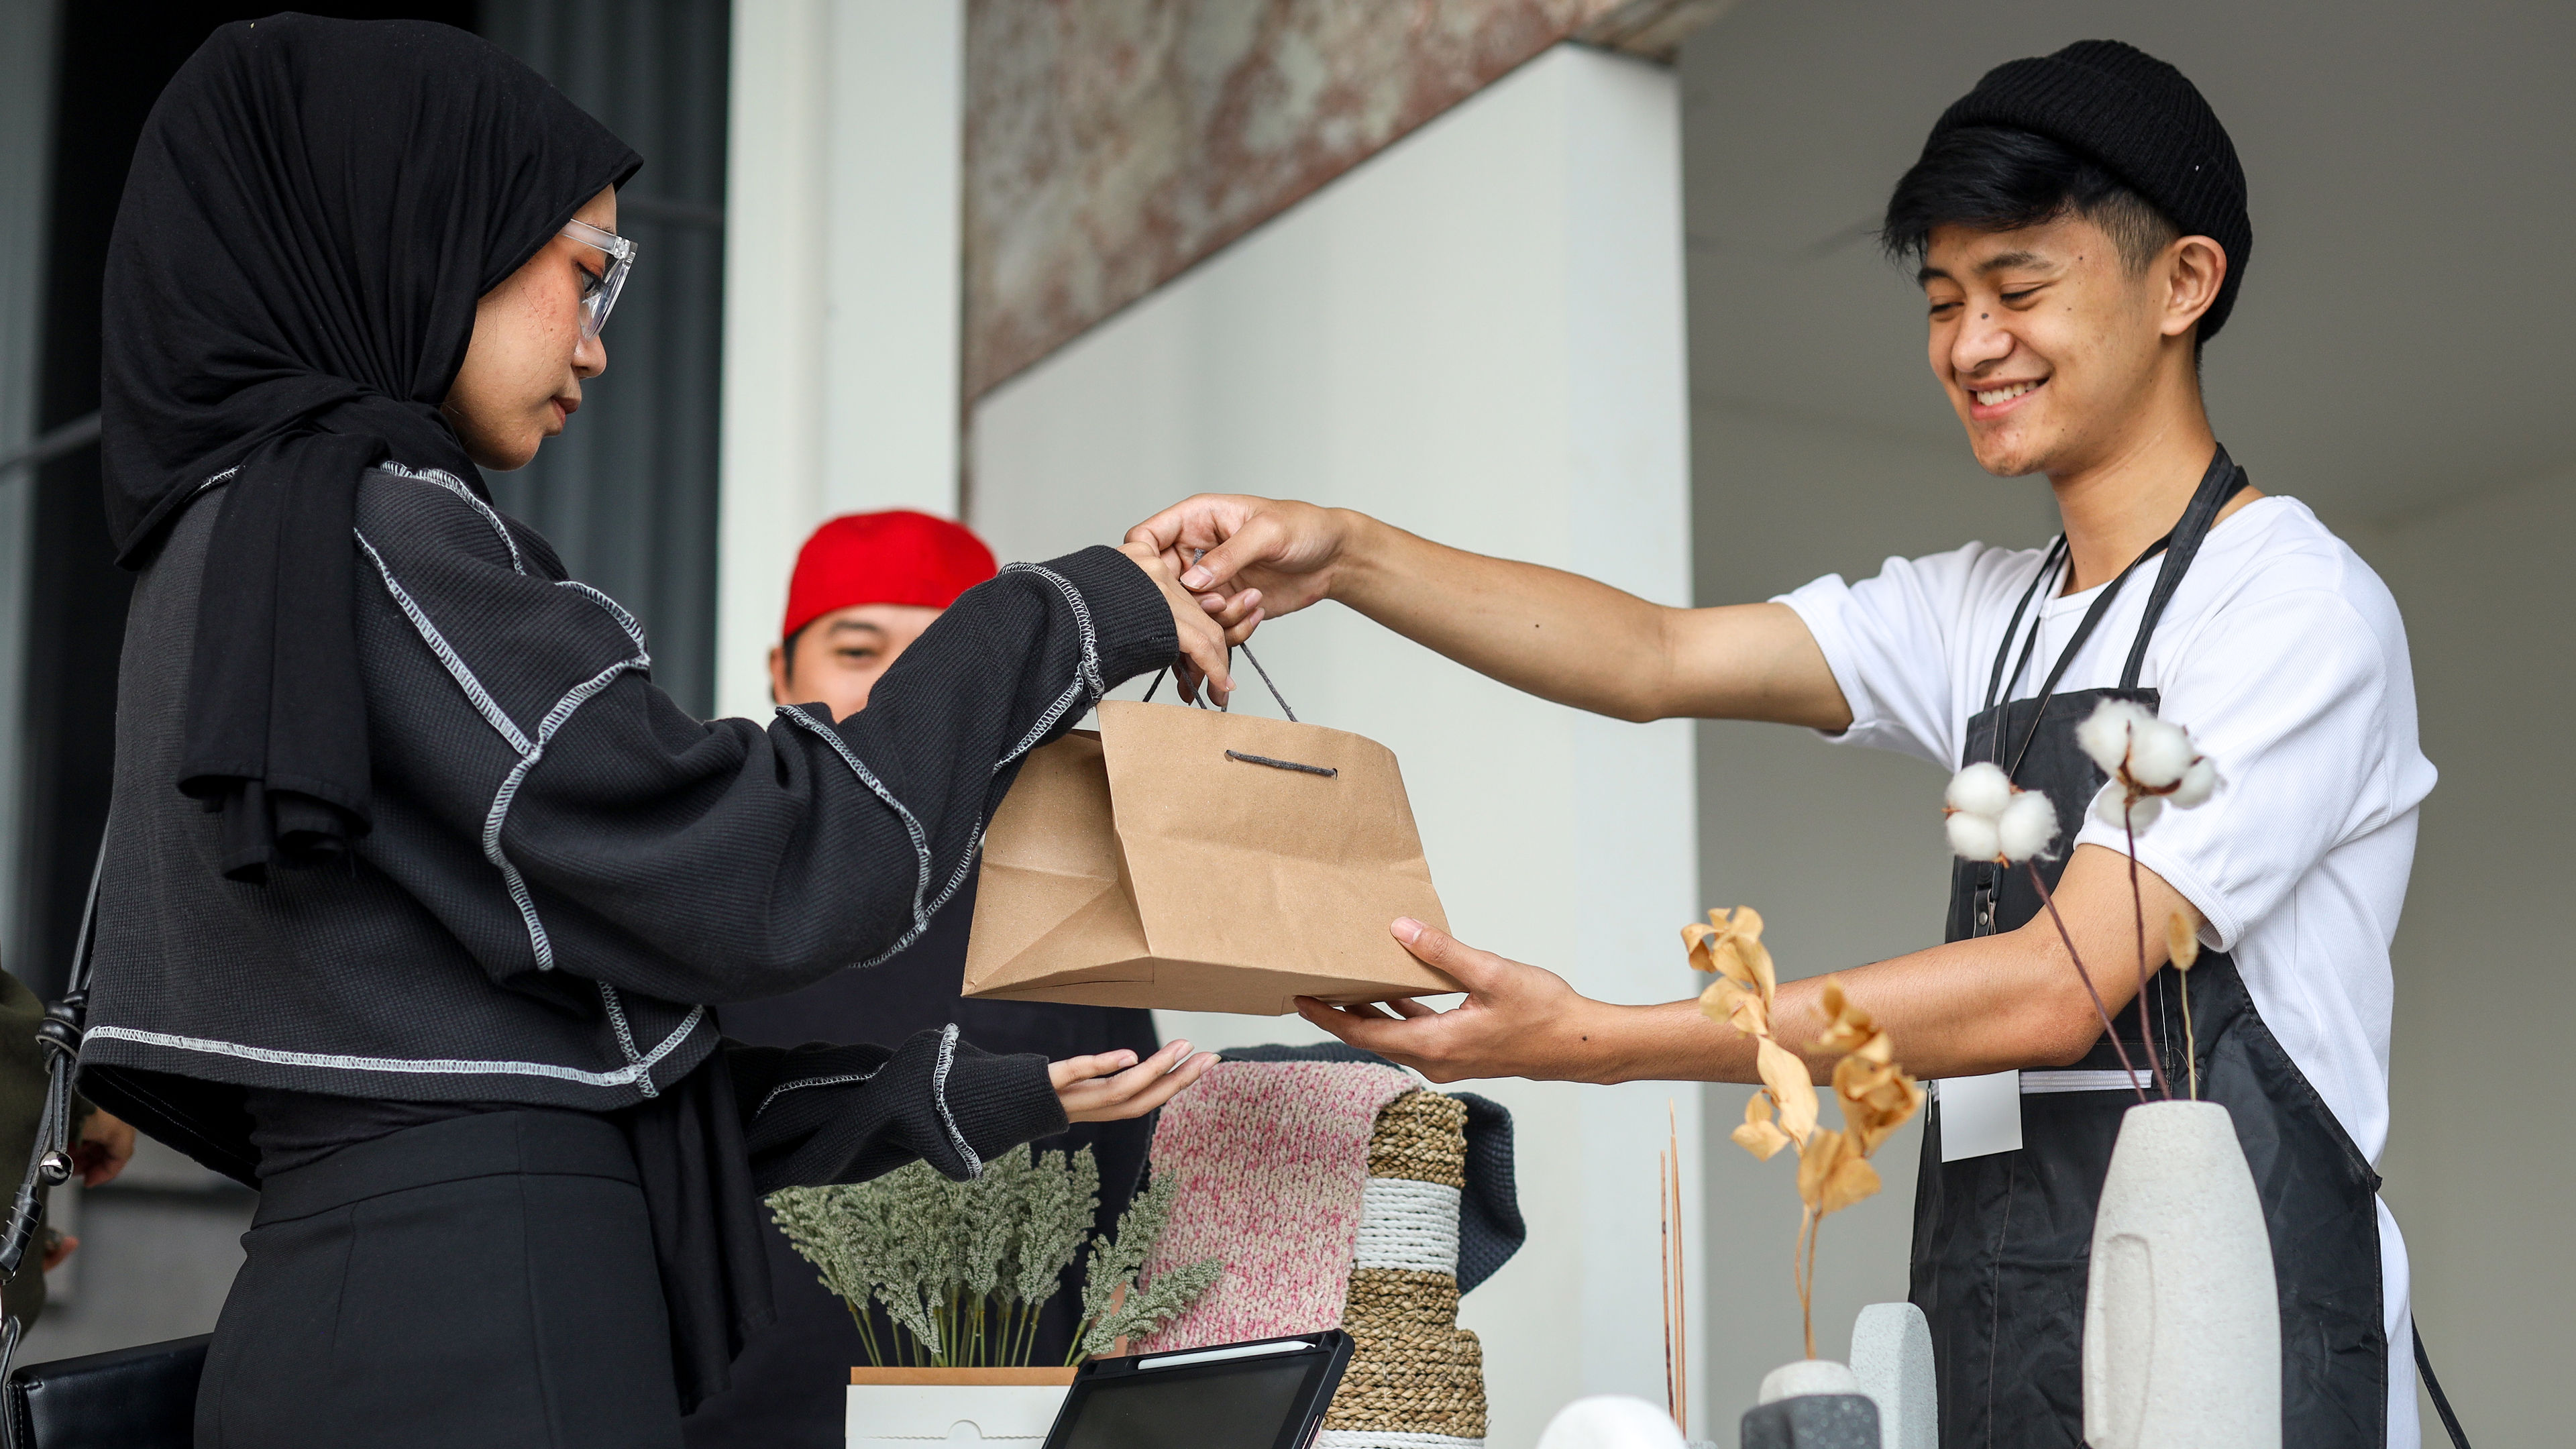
{"x": 2182, "y": 1317}
{"x": 904, "y": 1407}
{"x": 1807, "y": 1376}
{"x": 1891, "y": 1355}
{"x": 1611, "y": 1421}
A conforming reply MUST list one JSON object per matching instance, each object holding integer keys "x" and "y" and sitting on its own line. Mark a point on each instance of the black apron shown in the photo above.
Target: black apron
{"x": 2001, "y": 1241}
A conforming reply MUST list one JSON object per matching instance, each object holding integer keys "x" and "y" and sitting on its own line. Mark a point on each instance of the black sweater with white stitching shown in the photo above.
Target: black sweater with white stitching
{"x": 563, "y": 867}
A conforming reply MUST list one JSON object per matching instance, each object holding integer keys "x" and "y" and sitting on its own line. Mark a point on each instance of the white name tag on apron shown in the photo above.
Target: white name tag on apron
{"x": 1980, "y": 1116}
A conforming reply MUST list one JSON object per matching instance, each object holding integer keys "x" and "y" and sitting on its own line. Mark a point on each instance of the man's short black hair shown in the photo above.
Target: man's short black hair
{"x": 788, "y": 664}
{"x": 2002, "y": 178}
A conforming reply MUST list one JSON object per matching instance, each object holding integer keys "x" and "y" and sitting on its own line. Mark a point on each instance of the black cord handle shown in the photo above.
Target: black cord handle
{"x": 1256, "y": 668}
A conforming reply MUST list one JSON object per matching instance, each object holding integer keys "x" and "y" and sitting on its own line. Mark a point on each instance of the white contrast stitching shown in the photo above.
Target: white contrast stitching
{"x": 625, "y": 1035}
{"x": 939, "y": 1098}
{"x": 1086, "y": 674}
{"x": 573, "y": 699}
{"x": 456, "y": 485}
{"x": 617, "y": 611}
{"x": 412, "y": 1066}
{"x": 540, "y": 945}
{"x": 920, "y": 841}
{"x": 1389, "y": 1439}
{"x": 784, "y": 1088}
{"x": 481, "y": 698}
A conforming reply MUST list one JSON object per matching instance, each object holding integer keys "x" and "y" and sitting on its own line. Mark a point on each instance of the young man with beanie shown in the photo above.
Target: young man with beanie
{"x": 2078, "y": 223}
{"x": 865, "y": 587}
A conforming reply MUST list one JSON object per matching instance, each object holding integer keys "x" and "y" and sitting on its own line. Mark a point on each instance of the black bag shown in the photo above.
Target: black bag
{"x": 131, "y": 1398}
{"x": 126, "y": 1398}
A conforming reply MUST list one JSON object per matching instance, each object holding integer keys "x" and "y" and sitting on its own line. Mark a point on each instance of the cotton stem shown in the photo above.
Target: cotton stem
{"x": 2146, "y": 1022}
{"x": 2087, "y": 978}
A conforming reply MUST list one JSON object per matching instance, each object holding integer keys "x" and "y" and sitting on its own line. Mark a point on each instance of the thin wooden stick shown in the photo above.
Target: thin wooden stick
{"x": 1681, "y": 1273}
{"x": 1663, "y": 1211}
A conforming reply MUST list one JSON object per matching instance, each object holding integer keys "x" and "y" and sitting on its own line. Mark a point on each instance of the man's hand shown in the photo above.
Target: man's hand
{"x": 1208, "y": 634}
{"x": 106, "y": 1145}
{"x": 1517, "y": 1020}
{"x": 1237, "y": 552}
{"x": 1114, "y": 1086}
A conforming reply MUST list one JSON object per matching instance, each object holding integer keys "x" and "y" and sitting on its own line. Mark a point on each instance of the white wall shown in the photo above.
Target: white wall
{"x": 1478, "y": 335}
{"x": 2474, "y": 1169}
{"x": 841, "y": 286}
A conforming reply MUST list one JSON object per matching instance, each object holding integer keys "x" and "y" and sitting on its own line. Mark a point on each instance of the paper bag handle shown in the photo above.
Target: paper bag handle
{"x": 1256, "y": 668}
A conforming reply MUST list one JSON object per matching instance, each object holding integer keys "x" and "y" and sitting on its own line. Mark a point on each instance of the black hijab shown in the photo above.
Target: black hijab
{"x": 315, "y": 207}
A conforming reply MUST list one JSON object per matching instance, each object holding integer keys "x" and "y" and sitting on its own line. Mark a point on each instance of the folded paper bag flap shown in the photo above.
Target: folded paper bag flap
{"x": 1050, "y": 907}
{"x": 1278, "y": 851}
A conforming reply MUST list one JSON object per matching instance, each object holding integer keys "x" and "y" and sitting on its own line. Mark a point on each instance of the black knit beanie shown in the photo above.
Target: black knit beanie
{"x": 2144, "y": 122}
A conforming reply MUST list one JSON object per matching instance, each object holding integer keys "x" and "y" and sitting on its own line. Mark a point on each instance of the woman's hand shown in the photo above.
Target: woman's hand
{"x": 1238, "y": 552}
{"x": 106, "y": 1145}
{"x": 1208, "y": 633}
{"x": 1517, "y": 1020}
{"x": 1114, "y": 1086}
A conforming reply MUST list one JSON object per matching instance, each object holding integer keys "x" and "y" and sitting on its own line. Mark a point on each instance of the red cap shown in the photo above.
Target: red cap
{"x": 897, "y": 557}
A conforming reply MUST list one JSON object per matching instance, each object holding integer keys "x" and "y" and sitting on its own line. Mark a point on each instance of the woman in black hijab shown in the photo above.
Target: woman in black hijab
{"x": 412, "y": 902}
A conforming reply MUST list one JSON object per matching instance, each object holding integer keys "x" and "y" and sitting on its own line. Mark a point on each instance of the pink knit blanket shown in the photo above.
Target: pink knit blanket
{"x": 1271, "y": 1158}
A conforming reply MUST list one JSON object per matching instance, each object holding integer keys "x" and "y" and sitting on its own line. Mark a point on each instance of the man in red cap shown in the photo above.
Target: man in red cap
{"x": 866, "y": 585}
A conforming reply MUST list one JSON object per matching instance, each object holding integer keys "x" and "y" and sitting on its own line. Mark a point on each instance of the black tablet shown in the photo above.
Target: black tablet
{"x": 1267, "y": 1394}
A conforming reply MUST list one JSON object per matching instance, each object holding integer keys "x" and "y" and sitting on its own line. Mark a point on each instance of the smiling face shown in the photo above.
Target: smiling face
{"x": 523, "y": 371}
{"x": 2053, "y": 349}
{"x": 837, "y": 659}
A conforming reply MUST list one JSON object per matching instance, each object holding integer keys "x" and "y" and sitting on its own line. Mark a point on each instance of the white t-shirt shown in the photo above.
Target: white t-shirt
{"x": 2284, "y": 656}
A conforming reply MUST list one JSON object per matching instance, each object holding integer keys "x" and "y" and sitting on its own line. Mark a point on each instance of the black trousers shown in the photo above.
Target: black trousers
{"x": 486, "y": 1280}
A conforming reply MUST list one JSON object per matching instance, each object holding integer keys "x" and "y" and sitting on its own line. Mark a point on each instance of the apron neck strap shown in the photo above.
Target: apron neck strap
{"x": 2221, "y": 483}
{"x": 2218, "y": 484}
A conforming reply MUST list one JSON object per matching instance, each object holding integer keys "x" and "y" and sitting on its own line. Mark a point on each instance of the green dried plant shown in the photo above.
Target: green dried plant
{"x": 1106, "y": 1314}
{"x": 1157, "y": 1303}
{"x": 962, "y": 1269}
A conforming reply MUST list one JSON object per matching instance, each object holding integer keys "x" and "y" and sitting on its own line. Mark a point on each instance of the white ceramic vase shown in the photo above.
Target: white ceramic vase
{"x": 2182, "y": 1318}
{"x": 891, "y": 1407}
{"x": 1891, "y": 1355}
{"x": 1610, "y": 1421}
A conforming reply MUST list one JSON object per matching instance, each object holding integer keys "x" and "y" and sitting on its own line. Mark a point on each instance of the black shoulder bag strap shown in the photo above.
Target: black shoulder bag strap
{"x": 49, "y": 1164}
{"x": 131, "y": 1398}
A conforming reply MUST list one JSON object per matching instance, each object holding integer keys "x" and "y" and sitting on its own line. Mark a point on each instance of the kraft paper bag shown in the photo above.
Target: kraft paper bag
{"x": 1199, "y": 861}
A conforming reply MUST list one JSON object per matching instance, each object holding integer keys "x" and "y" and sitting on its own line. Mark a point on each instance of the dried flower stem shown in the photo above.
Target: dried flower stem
{"x": 2146, "y": 1023}
{"x": 2086, "y": 977}
{"x": 1810, "y": 1227}
{"x": 2190, "y": 1042}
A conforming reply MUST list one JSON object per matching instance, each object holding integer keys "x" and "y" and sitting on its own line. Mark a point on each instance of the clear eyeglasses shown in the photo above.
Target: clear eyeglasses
{"x": 599, "y": 294}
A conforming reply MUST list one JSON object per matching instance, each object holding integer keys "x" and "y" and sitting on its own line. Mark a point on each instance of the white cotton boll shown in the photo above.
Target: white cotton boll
{"x": 2028, "y": 825}
{"x": 2143, "y": 813}
{"x": 1975, "y": 837}
{"x": 2198, "y": 783}
{"x": 2159, "y": 753}
{"x": 2105, "y": 732}
{"x": 1980, "y": 789}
